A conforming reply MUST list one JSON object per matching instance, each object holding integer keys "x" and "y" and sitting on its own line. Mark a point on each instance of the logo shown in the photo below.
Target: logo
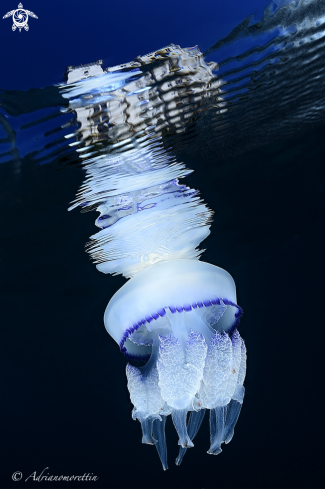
{"x": 20, "y": 18}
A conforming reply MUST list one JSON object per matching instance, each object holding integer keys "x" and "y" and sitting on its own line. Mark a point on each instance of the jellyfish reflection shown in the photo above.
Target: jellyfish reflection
{"x": 176, "y": 313}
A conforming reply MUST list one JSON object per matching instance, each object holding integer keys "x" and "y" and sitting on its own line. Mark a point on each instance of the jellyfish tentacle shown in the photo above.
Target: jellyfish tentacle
{"x": 215, "y": 388}
{"x": 180, "y": 373}
{"x": 233, "y": 413}
{"x": 194, "y": 424}
{"x": 239, "y": 394}
{"x": 185, "y": 374}
{"x": 179, "y": 420}
{"x": 146, "y": 398}
{"x": 160, "y": 436}
{"x": 235, "y": 362}
{"x": 242, "y": 368}
{"x": 235, "y": 404}
{"x": 147, "y": 427}
{"x": 217, "y": 424}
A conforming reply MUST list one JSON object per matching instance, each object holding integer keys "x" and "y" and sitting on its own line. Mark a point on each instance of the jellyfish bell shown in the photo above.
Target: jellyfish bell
{"x": 163, "y": 290}
{"x": 181, "y": 317}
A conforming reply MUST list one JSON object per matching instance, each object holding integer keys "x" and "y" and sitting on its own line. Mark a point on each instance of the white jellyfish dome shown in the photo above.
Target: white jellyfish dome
{"x": 194, "y": 291}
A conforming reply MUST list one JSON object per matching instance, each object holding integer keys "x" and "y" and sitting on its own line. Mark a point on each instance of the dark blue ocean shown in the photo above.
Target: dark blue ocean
{"x": 259, "y": 165}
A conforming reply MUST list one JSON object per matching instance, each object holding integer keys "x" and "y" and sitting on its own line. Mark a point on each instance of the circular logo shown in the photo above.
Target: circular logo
{"x": 20, "y": 18}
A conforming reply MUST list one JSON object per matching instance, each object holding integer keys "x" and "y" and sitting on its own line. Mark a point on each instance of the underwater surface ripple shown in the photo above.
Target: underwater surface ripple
{"x": 268, "y": 83}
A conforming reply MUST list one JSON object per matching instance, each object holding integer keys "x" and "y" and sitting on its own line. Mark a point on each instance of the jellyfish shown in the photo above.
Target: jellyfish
{"x": 176, "y": 315}
{"x": 181, "y": 316}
